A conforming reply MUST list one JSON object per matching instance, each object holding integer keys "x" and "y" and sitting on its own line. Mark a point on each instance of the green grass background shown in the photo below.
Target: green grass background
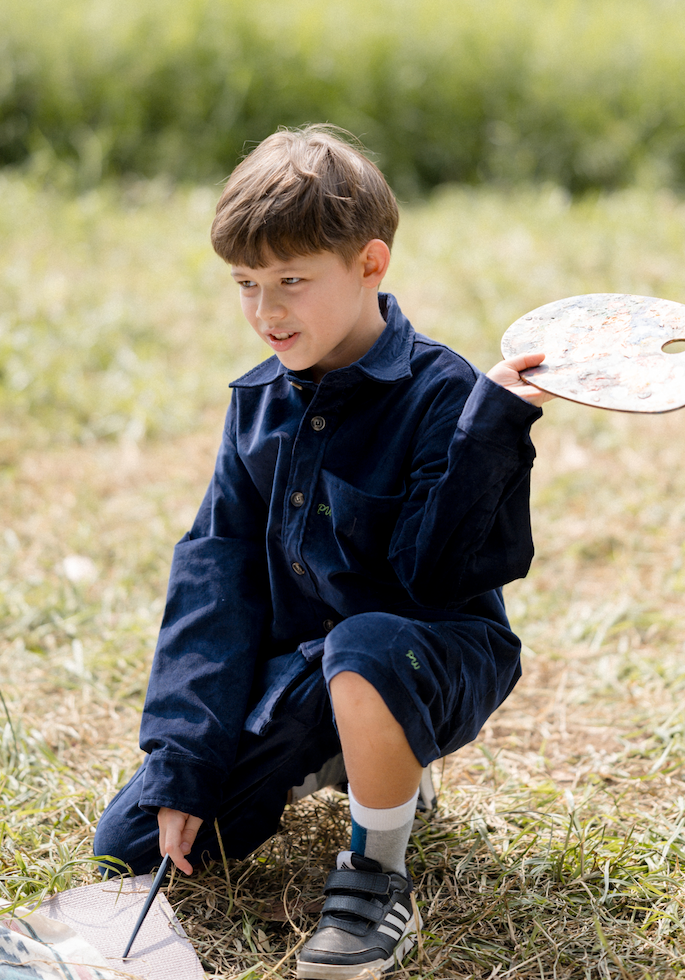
{"x": 581, "y": 93}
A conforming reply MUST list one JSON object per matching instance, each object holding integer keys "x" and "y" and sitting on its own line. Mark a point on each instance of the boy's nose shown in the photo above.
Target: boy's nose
{"x": 270, "y": 308}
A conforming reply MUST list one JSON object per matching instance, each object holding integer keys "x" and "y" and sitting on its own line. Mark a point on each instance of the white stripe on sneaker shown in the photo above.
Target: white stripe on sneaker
{"x": 394, "y": 921}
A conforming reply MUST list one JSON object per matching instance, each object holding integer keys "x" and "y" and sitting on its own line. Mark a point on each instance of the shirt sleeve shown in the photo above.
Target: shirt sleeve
{"x": 202, "y": 673}
{"x": 465, "y": 528}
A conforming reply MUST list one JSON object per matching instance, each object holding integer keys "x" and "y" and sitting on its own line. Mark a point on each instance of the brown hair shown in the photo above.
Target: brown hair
{"x": 303, "y": 191}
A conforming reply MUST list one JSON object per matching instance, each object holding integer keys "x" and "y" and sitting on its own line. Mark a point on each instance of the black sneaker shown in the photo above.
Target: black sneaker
{"x": 367, "y": 926}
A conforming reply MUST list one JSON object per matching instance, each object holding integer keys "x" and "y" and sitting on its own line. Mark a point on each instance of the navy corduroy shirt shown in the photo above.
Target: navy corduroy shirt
{"x": 398, "y": 484}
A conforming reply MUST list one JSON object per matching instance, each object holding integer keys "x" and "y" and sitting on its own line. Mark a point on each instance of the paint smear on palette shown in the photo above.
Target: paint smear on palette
{"x": 609, "y": 350}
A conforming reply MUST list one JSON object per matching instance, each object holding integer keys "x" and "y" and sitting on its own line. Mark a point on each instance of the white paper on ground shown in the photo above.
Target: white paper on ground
{"x": 104, "y": 914}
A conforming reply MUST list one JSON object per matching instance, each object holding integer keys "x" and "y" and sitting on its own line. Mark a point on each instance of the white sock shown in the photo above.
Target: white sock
{"x": 383, "y": 834}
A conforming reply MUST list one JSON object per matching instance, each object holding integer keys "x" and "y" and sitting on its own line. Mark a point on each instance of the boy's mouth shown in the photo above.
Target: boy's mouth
{"x": 281, "y": 340}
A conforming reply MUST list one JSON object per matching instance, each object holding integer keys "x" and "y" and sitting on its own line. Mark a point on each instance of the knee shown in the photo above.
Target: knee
{"x": 109, "y": 848}
{"x": 126, "y": 834}
{"x": 123, "y": 848}
{"x": 364, "y": 644}
{"x": 361, "y": 635}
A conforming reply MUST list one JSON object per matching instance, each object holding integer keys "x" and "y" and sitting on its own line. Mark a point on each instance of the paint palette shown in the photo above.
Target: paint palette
{"x": 610, "y": 350}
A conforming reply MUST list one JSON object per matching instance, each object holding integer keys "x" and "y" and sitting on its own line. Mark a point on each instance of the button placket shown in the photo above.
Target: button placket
{"x": 307, "y": 456}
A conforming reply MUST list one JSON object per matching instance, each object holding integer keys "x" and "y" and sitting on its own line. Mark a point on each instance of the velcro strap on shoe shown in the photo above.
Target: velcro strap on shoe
{"x": 358, "y": 881}
{"x": 355, "y": 905}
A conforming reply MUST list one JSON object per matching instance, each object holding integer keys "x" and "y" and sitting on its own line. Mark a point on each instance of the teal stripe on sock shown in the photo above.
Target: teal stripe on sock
{"x": 358, "y": 843}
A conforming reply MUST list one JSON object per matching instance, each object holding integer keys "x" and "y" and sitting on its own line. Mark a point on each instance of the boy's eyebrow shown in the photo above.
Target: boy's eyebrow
{"x": 284, "y": 270}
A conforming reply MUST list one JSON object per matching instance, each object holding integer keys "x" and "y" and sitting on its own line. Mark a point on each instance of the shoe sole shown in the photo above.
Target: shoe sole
{"x": 358, "y": 971}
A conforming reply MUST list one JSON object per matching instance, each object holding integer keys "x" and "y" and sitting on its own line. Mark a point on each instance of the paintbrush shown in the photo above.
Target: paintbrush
{"x": 156, "y": 885}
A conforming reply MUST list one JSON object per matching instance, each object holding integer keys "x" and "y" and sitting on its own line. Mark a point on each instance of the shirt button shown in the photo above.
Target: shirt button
{"x": 297, "y": 499}
{"x": 297, "y": 568}
{"x": 318, "y": 423}
{"x": 328, "y": 624}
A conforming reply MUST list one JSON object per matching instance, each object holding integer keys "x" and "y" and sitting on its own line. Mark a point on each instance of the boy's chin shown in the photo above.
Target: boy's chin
{"x": 294, "y": 364}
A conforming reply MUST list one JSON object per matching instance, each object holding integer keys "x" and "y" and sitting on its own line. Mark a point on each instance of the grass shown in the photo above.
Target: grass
{"x": 558, "y": 847}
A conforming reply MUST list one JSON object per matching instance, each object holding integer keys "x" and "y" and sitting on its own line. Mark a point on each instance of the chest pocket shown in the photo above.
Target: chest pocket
{"x": 358, "y": 525}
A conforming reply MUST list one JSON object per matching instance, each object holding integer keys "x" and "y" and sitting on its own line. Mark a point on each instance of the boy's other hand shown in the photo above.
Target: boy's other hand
{"x": 507, "y": 373}
{"x": 177, "y": 833}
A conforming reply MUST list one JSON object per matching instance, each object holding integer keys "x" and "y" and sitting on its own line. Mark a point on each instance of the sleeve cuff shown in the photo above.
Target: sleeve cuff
{"x": 497, "y": 416}
{"x": 181, "y": 783}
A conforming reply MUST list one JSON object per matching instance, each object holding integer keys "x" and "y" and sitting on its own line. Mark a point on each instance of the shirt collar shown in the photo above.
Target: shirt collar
{"x": 387, "y": 361}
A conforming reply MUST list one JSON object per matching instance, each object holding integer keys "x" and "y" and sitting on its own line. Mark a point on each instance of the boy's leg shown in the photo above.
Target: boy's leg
{"x": 382, "y": 771}
{"x": 369, "y": 890}
{"x": 381, "y": 766}
{"x": 403, "y": 693}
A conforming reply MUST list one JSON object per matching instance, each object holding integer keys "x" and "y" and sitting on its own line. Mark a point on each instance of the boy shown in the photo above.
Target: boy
{"x": 340, "y": 588}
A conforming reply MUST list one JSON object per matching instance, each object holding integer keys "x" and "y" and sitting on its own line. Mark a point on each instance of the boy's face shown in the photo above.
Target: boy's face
{"x": 314, "y": 311}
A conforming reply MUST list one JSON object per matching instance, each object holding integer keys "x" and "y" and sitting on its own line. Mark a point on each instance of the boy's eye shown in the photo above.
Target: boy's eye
{"x": 246, "y": 283}
{"x": 291, "y": 280}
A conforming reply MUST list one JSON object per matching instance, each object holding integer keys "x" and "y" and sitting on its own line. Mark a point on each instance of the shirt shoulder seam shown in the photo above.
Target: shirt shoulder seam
{"x": 422, "y": 339}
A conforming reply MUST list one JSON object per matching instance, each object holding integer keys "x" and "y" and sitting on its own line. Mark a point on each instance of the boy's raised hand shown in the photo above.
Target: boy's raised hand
{"x": 177, "y": 833}
{"x": 507, "y": 374}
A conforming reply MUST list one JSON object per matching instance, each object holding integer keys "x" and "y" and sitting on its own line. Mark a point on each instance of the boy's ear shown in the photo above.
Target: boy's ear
{"x": 375, "y": 258}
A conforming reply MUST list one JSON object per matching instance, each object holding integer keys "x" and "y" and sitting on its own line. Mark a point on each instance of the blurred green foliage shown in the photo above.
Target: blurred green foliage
{"x": 581, "y": 93}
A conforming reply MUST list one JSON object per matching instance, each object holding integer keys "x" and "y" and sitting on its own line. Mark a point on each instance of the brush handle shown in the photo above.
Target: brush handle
{"x": 156, "y": 885}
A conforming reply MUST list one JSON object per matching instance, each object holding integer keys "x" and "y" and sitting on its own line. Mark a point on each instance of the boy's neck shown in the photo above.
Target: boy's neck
{"x": 366, "y": 341}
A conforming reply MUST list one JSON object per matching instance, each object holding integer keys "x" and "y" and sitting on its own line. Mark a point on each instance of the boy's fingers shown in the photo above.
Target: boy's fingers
{"x": 523, "y": 361}
{"x": 177, "y": 833}
{"x": 189, "y": 834}
{"x": 179, "y": 860}
{"x": 508, "y": 374}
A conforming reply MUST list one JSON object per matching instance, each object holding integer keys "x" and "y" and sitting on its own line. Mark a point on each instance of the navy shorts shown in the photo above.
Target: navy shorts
{"x": 441, "y": 680}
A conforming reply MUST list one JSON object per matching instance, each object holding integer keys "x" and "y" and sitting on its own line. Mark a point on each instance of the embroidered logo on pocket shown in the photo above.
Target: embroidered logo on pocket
{"x": 411, "y": 657}
{"x": 324, "y": 509}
